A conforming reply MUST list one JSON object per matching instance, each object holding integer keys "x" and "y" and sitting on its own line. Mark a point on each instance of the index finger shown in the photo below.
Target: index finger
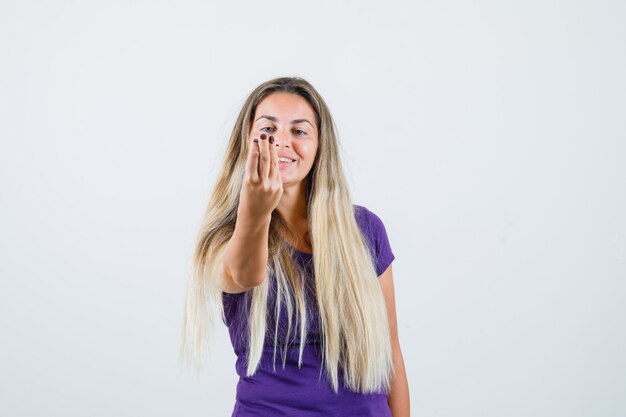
{"x": 274, "y": 168}
{"x": 252, "y": 162}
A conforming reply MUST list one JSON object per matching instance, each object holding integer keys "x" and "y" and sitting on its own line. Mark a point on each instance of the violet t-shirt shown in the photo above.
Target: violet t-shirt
{"x": 305, "y": 391}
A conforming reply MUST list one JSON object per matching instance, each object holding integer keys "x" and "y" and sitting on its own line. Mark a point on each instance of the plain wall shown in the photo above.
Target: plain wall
{"x": 489, "y": 136}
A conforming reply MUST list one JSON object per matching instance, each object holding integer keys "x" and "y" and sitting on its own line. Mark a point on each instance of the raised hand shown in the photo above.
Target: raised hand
{"x": 262, "y": 185}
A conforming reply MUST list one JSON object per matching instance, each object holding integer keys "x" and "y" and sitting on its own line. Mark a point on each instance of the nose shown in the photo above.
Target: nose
{"x": 282, "y": 140}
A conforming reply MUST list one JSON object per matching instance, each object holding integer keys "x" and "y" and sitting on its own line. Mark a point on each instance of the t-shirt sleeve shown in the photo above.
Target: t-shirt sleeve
{"x": 377, "y": 235}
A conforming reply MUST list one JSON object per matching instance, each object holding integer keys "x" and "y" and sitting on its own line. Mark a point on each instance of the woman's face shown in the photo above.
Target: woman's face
{"x": 291, "y": 120}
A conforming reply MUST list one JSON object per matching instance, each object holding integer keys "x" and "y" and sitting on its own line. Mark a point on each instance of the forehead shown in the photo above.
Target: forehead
{"x": 285, "y": 106}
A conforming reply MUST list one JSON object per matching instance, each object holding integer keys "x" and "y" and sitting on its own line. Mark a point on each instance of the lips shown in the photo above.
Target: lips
{"x": 283, "y": 163}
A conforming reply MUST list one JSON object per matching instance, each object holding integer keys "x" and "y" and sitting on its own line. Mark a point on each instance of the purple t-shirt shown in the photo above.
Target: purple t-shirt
{"x": 305, "y": 391}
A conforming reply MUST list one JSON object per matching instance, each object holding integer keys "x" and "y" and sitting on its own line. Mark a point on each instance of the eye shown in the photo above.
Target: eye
{"x": 298, "y": 130}
{"x": 267, "y": 127}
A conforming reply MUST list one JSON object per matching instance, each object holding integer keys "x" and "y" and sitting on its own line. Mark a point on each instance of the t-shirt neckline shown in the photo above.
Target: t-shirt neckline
{"x": 299, "y": 251}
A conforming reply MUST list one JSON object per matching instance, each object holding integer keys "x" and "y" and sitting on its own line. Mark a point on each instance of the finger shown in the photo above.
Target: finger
{"x": 252, "y": 163}
{"x": 264, "y": 159}
{"x": 274, "y": 168}
{"x": 278, "y": 177}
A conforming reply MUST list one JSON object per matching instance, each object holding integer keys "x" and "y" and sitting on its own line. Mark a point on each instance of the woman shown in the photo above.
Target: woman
{"x": 294, "y": 268}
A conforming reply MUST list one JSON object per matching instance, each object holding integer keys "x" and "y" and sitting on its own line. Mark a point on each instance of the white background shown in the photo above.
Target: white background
{"x": 489, "y": 136}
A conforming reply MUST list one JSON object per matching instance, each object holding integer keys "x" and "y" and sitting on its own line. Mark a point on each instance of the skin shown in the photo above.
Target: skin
{"x": 268, "y": 186}
{"x": 399, "y": 400}
{"x": 300, "y": 141}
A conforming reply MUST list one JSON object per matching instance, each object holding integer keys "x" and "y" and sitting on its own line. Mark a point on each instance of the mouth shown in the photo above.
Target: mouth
{"x": 285, "y": 162}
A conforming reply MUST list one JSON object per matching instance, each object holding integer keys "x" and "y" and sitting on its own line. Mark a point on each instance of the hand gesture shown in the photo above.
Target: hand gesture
{"x": 262, "y": 185}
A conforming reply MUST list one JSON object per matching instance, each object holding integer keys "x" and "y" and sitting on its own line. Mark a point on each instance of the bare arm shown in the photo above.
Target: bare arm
{"x": 246, "y": 253}
{"x": 399, "y": 400}
{"x": 245, "y": 257}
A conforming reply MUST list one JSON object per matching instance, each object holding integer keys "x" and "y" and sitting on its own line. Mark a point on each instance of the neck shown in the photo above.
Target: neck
{"x": 293, "y": 208}
{"x": 292, "y": 205}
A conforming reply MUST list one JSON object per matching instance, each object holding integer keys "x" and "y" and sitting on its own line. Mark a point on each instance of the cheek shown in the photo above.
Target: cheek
{"x": 307, "y": 150}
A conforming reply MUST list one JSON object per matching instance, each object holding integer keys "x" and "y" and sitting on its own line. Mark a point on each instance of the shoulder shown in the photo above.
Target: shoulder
{"x": 374, "y": 230}
{"x": 366, "y": 216}
{"x": 369, "y": 222}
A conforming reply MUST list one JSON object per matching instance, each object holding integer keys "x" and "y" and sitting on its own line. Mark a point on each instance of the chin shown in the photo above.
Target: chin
{"x": 289, "y": 182}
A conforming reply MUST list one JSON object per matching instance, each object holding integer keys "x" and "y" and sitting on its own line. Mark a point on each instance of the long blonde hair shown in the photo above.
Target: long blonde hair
{"x": 353, "y": 319}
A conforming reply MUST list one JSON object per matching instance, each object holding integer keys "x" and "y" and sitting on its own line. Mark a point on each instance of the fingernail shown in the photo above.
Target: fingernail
{"x": 263, "y": 136}
{"x": 271, "y": 139}
{"x": 255, "y": 140}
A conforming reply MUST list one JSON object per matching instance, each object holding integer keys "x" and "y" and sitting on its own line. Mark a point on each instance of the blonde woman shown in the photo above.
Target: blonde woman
{"x": 300, "y": 275}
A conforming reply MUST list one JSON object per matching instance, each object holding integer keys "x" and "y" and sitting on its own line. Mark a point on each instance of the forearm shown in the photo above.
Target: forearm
{"x": 399, "y": 401}
{"x": 246, "y": 253}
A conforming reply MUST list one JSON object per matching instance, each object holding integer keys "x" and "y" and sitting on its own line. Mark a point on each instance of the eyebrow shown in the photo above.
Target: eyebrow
{"x": 274, "y": 119}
